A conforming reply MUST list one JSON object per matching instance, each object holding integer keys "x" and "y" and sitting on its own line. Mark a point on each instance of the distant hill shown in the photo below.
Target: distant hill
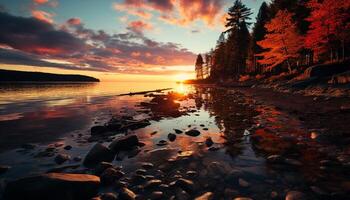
{"x": 20, "y": 76}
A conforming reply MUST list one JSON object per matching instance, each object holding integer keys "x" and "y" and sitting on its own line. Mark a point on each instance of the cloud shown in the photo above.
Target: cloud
{"x": 52, "y": 3}
{"x": 34, "y": 42}
{"x": 176, "y": 12}
{"x": 139, "y": 26}
{"x": 36, "y": 36}
{"x": 74, "y": 21}
{"x": 42, "y": 16}
{"x": 41, "y": 1}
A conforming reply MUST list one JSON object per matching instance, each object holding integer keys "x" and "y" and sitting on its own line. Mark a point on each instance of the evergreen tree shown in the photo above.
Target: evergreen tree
{"x": 199, "y": 66}
{"x": 238, "y": 39}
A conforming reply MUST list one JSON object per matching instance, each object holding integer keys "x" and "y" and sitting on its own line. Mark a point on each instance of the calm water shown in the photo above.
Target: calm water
{"x": 52, "y": 115}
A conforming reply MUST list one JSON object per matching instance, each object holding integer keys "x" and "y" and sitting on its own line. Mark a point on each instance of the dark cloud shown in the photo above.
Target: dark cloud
{"x": 35, "y": 36}
{"x": 34, "y": 42}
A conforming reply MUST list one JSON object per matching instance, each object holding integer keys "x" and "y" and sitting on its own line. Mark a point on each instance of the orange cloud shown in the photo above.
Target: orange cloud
{"x": 139, "y": 26}
{"x": 43, "y": 16}
{"x": 41, "y": 1}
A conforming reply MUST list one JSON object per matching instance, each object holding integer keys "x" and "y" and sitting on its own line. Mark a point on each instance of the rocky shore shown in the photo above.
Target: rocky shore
{"x": 219, "y": 143}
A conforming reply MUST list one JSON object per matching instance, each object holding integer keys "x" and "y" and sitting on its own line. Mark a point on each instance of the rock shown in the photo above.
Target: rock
{"x": 98, "y": 153}
{"x": 243, "y": 183}
{"x": 193, "y": 133}
{"x": 152, "y": 184}
{"x": 98, "y": 130}
{"x": 209, "y": 142}
{"x": 110, "y": 175}
{"x": 4, "y": 169}
{"x": 183, "y": 195}
{"x": 246, "y": 133}
{"x": 61, "y": 158}
{"x": 108, "y": 196}
{"x": 53, "y": 186}
{"x": 141, "y": 171}
{"x": 124, "y": 143}
{"x": 184, "y": 184}
{"x": 162, "y": 143}
{"x": 126, "y": 194}
{"x": 101, "y": 167}
{"x": 191, "y": 173}
{"x": 205, "y": 196}
{"x": 275, "y": 159}
{"x": 177, "y": 131}
{"x": 68, "y": 147}
{"x": 243, "y": 198}
{"x": 136, "y": 125}
{"x": 171, "y": 137}
{"x": 156, "y": 195}
{"x": 295, "y": 195}
{"x": 138, "y": 179}
{"x": 147, "y": 166}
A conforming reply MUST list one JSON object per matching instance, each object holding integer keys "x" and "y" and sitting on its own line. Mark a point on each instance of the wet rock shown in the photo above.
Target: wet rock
{"x": 53, "y": 186}
{"x": 177, "y": 131}
{"x": 156, "y": 195}
{"x": 162, "y": 143}
{"x": 275, "y": 159}
{"x": 209, "y": 142}
{"x": 191, "y": 173}
{"x": 98, "y": 130}
{"x": 184, "y": 184}
{"x": 243, "y": 198}
{"x": 4, "y": 169}
{"x": 171, "y": 137}
{"x": 110, "y": 175}
{"x": 152, "y": 184}
{"x": 108, "y": 196}
{"x": 126, "y": 194}
{"x": 147, "y": 166}
{"x": 136, "y": 125}
{"x": 138, "y": 179}
{"x": 77, "y": 159}
{"x": 183, "y": 195}
{"x": 141, "y": 171}
{"x": 295, "y": 195}
{"x": 98, "y": 153}
{"x": 68, "y": 147}
{"x": 101, "y": 167}
{"x": 193, "y": 133}
{"x": 61, "y": 158}
{"x": 124, "y": 143}
{"x": 205, "y": 196}
{"x": 243, "y": 183}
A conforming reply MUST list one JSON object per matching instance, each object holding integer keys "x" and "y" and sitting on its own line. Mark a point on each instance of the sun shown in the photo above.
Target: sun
{"x": 182, "y": 77}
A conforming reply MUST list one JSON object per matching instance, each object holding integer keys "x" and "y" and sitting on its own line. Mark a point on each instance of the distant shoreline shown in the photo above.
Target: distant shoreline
{"x": 11, "y": 76}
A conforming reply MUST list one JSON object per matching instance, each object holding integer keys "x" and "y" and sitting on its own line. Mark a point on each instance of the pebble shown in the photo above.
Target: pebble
{"x": 171, "y": 137}
{"x": 61, "y": 158}
{"x": 184, "y": 184}
{"x": 126, "y": 194}
{"x": 177, "y": 131}
{"x": 108, "y": 196}
{"x": 162, "y": 143}
{"x": 205, "y": 196}
{"x": 243, "y": 198}
{"x": 295, "y": 195}
{"x": 147, "y": 166}
{"x": 110, "y": 175}
{"x": 156, "y": 195}
{"x": 191, "y": 173}
{"x": 152, "y": 184}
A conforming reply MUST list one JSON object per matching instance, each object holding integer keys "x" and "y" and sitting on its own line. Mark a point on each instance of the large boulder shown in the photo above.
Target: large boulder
{"x": 54, "y": 186}
{"x": 124, "y": 143}
{"x": 99, "y": 153}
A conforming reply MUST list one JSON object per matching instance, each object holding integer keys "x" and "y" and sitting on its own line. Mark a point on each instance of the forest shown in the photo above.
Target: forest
{"x": 288, "y": 37}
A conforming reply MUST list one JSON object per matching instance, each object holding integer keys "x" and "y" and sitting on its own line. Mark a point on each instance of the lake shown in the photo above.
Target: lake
{"x": 230, "y": 156}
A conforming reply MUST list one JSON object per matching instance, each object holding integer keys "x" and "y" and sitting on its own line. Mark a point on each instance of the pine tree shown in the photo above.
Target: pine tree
{"x": 199, "y": 66}
{"x": 282, "y": 41}
{"x": 238, "y": 39}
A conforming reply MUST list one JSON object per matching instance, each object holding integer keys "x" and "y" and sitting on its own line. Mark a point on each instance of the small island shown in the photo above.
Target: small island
{"x": 21, "y": 76}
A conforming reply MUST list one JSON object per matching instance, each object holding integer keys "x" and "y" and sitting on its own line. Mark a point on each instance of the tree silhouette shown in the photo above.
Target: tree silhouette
{"x": 199, "y": 67}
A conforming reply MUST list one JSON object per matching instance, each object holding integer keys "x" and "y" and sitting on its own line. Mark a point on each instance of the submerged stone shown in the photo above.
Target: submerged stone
{"x": 98, "y": 153}
{"x": 124, "y": 143}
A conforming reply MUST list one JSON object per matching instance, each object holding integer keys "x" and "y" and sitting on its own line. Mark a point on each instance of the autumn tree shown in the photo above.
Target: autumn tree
{"x": 238, "y": 38}
{"x": 282, "y": 41}
{"x": 329, "y": 29}
{"x": 199, "y": 67}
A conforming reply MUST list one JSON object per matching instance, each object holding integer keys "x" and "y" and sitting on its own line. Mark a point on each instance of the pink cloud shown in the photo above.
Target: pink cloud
{"x": 139, "y": 26}
{"x": 74, "y": 21}
{"x": 43, "y": 16}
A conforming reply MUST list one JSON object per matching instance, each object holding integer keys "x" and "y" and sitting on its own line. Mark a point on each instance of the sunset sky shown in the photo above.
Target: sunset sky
{"x": 111, "y": 39}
